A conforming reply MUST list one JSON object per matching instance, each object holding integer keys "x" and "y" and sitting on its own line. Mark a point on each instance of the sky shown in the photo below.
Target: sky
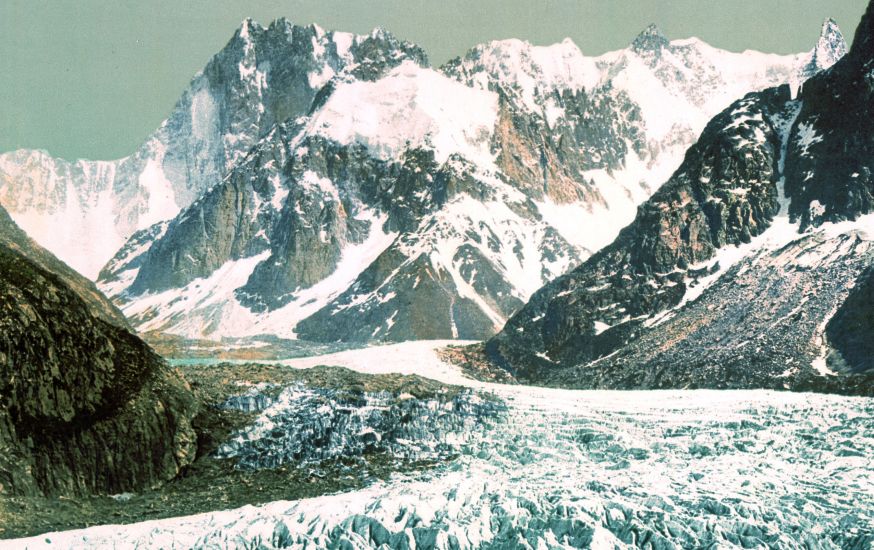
{"x": 92, "y": 79}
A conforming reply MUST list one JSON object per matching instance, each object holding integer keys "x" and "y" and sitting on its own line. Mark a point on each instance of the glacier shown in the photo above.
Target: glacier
{"x": 576, "y": 469}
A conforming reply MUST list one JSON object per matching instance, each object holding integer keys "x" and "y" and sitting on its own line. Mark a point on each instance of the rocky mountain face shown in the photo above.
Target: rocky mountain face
{"x": 85, "y": 406}
{"x": 263, "y": 76}
{"x": 748, "y": 268}
{"x": 769, "y": 322}
{"x": 828, "y": 166}
{"x": 406, "y": 202}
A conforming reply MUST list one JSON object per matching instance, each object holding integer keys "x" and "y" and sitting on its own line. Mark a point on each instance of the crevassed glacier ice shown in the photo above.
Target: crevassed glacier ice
{"x": 588, "y": 469}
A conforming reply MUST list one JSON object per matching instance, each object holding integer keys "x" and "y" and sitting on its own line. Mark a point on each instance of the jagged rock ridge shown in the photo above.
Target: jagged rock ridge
{"x": 716, "y": 282}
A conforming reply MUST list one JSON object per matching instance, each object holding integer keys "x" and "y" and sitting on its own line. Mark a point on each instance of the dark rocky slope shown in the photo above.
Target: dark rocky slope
{"x": 829, "y": 163}
{"x": 758, "y": 326}
{"x": 849, "y": 331}
{"x": 85, "y": 406}
{"x": 13, "y": 238}
{"x": 630, "y": 317}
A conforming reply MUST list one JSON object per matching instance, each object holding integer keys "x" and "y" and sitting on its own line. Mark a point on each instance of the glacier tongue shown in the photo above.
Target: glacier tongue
{"x": 583, "y": 469}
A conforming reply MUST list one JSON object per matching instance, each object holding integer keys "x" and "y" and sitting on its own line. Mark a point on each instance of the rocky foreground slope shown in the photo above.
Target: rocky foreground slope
{"x": 407, "y": 202}
{"x": 750, "y": 267}
{"x": 85, "y": 405}
{"x": 268, "y": 433}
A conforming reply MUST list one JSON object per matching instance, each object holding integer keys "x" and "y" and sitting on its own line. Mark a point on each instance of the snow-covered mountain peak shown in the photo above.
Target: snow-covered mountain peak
{"x": 830, "y": 26}
{"x": 723, "y": 232}
{"x": 651, "y": 39}
{"x": 696, "y": 79}
{"x": 831, "y": 45}
{"x": 432, "y": 203}
{"x": 262, "y": 77}
{"x": 380, "y": 32}
{"x": 518, "y": 64}
{"x": 244, "y": 30}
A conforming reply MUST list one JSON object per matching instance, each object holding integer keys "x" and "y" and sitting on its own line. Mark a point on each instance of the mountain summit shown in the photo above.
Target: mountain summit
{"x": 651, "y": 39}
{"x": 263, "y": 76}
{"x": 830, "y": 48}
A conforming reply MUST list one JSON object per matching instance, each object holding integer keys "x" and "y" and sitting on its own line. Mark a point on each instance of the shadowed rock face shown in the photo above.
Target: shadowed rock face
{"x": 725, "y": 193}
{"x": 783, "y": 316}
{"x": 828, "y": 167}
{"x": 85, "y": 406}
{"x": 850, "y": 330}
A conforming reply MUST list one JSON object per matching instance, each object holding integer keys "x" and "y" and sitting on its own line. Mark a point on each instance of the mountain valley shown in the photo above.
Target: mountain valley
{"x": 530, "y": 299}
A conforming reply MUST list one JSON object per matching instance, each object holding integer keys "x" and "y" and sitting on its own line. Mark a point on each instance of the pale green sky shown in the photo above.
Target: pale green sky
{"x": 92, "y": 79}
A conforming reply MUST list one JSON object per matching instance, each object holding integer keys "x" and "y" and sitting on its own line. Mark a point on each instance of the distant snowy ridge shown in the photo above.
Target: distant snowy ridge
{"x": 411, "y": 107}
{"x": 749, "y": 267}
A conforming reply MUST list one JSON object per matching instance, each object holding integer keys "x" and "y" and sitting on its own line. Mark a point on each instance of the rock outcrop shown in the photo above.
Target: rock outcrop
{"x": 85, "y": 405}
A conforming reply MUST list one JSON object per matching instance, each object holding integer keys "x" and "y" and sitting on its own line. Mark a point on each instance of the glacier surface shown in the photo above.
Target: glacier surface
{"x": 577, "y": 469}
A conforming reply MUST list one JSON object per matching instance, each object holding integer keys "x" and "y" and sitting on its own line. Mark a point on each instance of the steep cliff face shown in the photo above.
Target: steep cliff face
{"x": 828, "y": 165}
{"x": 725, "y": 193}
{"x": 261, "y": 77}
{"x": 431, "y": 204}
{"x": 738, "y": 272}
{"x": 85, "y": 406}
